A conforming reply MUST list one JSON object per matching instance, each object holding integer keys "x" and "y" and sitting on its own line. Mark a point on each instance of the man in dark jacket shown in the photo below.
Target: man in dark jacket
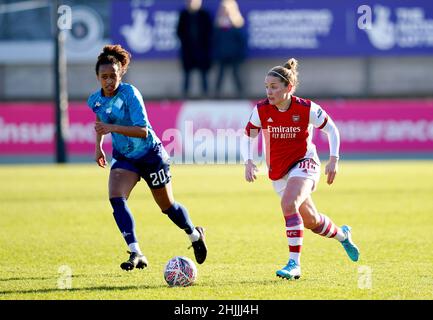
{"x": 194, "y": 30}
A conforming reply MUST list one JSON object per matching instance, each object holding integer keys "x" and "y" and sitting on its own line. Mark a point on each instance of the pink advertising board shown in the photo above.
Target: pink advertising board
{"x": 28, "y": 128}
{"x": 368, "y": 126}
{"x": 373, "y": 126}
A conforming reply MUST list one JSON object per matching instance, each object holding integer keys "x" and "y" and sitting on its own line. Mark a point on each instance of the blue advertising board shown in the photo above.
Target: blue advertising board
{"x": 281, "y": 28}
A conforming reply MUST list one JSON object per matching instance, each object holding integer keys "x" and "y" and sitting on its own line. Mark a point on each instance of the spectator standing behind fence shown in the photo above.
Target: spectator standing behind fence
{"x": 194, "y": 30}
{"x": 230, "y": 43}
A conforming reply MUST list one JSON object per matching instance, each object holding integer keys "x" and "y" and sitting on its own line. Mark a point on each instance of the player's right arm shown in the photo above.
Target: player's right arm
{"x": 251, "y": 132}
{"x": 99, "y": 152}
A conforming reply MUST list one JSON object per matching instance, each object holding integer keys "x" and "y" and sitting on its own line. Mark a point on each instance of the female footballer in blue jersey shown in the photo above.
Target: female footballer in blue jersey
{"x": 137, "y": 153}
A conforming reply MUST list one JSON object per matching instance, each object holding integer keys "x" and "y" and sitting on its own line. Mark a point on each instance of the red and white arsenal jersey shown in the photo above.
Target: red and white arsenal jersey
{"x": 287, "y": 134}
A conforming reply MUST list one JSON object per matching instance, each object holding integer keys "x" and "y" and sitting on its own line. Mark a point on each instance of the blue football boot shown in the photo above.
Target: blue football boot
{"x": 348, "y": 245}
{"x": 290, "y": 271}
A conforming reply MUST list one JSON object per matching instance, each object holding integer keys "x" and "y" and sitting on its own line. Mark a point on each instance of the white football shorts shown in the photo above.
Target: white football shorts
{"x": 306, "y": 168}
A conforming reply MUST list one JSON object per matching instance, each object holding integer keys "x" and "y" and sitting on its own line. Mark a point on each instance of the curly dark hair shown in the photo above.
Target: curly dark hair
{"x": 114, "y": 54}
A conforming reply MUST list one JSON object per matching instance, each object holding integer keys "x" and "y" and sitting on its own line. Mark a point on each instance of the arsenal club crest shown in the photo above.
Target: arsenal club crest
{"x": 296, "y": 117}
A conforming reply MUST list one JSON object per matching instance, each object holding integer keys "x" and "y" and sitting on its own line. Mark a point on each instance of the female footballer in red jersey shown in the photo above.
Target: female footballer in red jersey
{"x": 294, "y": 167}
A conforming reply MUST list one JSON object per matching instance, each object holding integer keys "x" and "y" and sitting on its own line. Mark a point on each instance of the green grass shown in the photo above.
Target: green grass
{"x": 51, "y": 216}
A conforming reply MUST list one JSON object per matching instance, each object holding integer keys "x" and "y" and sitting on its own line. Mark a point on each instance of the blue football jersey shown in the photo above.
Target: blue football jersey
{"x": 126, "y": 108}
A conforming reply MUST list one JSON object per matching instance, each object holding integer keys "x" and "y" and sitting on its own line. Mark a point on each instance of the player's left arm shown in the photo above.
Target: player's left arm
{"x": 321, "y": 120}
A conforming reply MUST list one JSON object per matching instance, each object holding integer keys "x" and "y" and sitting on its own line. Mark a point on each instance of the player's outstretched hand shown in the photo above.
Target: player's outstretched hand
{"x": 250, "y": 170}
{"x": 331, "y": 169}
{"x": 100, "y": 158}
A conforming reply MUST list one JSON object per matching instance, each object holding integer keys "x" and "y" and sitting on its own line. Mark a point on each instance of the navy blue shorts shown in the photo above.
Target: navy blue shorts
{"x": 154, "y": 168}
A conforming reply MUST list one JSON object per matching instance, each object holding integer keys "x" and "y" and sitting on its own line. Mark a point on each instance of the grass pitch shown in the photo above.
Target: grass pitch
{"x": 57, "y": 231}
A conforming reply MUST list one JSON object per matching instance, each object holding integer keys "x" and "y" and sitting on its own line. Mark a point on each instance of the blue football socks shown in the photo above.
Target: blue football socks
{"x": 179, "y": 215}
{"x": 124, "y": 219}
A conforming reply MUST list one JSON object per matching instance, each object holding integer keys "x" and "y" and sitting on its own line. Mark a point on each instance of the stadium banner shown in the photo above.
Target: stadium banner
{"x": 282, "y": 28}
{"x": 209, "y": 131}
{"x": 380, "y": 126}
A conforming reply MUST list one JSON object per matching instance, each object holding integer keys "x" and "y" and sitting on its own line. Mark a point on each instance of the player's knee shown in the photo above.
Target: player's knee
{"x": 289, "y": 207}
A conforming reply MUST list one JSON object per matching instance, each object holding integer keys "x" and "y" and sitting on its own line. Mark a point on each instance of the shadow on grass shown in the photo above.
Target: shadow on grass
{"x": 56, "y": 277}
{"x": 25, "y": 278}
{"x": 96, "y": 288}
{"x": 201, "y": 284}
{"x": 131, "y": 287}
{"x": 240, "y": 283}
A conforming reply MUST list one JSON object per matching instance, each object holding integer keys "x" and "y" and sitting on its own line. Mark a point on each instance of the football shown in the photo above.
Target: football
{"x": 180, "y": 272}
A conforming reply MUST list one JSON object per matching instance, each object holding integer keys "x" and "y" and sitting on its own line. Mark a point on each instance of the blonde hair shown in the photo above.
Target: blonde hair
{"x": 288, "y": 73}
{"x": 233, "y": 12}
